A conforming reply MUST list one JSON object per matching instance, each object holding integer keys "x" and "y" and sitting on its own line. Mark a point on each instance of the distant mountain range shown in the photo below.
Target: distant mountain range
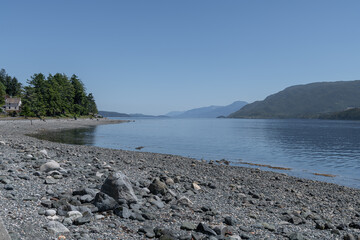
{"x": 113, "y": 114}
{"x": 209, "y": 112}
{"x": 305, "y": 101}
{"x": 117, "y": 114}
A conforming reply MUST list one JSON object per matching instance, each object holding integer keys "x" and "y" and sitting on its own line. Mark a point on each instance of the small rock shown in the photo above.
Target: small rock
{"x": 195, "y": 186}
{"x": 349, "y": 236}
{"x": 86, "y": 218}
{"x": 169, "y": 181}
{"x": 158, "y": 187}
{"x": 50, "y": 166}
{"x": 184, "y": 201}
{"x": 203, "y": 228}
{"x": 74, "y": 215}
{"x": 46, "y": 203}
{"x": 43, "y": 152}
{"x": 86, "y": 198}
{"x": 188, "y": 226}
{"x": 320, "y": 224}
{"x": 355, "y": 225}
{"x": 104, "y": 202}
{"x": 8, "y": 187}
{"x": 50, "y": 181}
{"x": 296, "y": 236}
{"x": 67, "y": 221}
{"x": 269, "y": 227}
{"x": 157, "y": 203}
{"x": 223, "y": 230}
{"x": 148, "y": 231}
{"x": 123, "y": 212}
{"x": 137, "y": 216}
{"x": 4, "y": 180}
{"x": 99, "y": 216}
{"x": 230, "y": 221}
{"x": 56, "y": 228}
{"x": 50, "y": 212}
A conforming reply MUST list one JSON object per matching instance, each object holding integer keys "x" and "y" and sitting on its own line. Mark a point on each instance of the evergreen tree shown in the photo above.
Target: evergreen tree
{"x": 80, "y": 99}
{"x": 12, "y": 85}
{"x": 56, "y": 95}
{"x": 91, "y": 105}
{"x": 66, "y": 93}
{"x": 34, "y": 96}
{"x": 2, "y": 95}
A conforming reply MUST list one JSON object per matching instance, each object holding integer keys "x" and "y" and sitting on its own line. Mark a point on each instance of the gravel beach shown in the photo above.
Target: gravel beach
{"x": 61, "y": 191}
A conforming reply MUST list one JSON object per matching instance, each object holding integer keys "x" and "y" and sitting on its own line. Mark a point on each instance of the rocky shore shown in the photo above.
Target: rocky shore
{"x": 60, "y": 191}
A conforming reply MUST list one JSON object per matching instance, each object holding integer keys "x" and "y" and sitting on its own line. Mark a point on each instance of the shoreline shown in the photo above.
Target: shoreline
{"x": 324, "y": 176}
{"x": 261, "y": 203}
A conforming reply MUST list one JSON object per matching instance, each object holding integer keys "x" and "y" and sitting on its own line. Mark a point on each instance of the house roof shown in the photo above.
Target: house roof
{"x": 13, "y": 100}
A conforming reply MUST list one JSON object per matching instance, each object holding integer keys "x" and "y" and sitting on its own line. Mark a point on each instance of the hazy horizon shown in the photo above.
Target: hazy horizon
{"x": 153, "y": 57}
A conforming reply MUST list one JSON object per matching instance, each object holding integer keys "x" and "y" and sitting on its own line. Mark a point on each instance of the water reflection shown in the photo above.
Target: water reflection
{"x": 78, "y": 136}
{"x": 317, "y": 145}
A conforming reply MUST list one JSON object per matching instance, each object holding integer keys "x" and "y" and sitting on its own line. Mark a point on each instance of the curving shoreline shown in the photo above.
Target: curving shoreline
{"x": 260, "y": 204}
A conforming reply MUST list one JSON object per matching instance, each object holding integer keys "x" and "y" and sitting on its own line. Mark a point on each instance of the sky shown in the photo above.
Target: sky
{"x": 153, "y": 57}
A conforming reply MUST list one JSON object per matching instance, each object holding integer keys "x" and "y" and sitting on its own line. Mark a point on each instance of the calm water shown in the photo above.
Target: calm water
{"x": 306, "y": 146}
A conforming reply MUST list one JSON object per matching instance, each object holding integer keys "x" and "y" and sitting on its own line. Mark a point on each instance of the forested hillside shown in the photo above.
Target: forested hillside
{"x": 305, "y": 101}
{"x": 349, "y": 114}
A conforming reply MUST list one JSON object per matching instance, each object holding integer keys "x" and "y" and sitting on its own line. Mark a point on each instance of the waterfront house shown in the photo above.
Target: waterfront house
{"x": 12, "y": 104}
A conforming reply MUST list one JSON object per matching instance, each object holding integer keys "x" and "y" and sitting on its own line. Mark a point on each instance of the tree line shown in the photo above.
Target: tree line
{"x": 54, "y": 95}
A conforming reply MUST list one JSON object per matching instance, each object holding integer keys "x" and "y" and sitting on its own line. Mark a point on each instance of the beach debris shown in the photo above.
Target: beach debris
{"x": 266, "y": 165}
{"x": 324, "y": 175}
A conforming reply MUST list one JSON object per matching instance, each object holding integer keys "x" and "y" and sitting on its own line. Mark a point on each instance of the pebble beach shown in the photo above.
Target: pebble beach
{"x": 60, "y": 191}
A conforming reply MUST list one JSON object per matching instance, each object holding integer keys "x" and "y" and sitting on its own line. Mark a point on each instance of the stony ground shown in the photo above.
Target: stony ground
{"x": 59, "y": 191}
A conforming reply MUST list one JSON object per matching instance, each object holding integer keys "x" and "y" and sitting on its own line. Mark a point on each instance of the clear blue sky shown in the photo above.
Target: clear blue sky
{"x": 157, "y": 56}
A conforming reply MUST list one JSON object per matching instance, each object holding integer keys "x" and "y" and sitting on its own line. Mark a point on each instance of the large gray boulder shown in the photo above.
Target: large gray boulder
{"x": 118, "y": 186}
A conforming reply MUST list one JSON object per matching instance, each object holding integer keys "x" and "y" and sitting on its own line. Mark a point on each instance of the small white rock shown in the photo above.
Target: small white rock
{"x": 53, "y": 218}
{"x": 44, "y": 152}
{"x": 50, "y": 166}
{"x": 195, "y": 186}
{"x": 50, "y": 212}
{"x": 74, "y": 215}
{"x": 185, "y": 201}
{"x": 56, "y": 227}
{"x": 99, "y": 217}
{"x": 67, "y": 222}
{"x": 99, "y": 175}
